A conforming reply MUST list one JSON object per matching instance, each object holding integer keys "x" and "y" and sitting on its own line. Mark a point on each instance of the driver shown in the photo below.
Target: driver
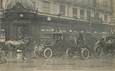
{"x": 80, "y": 40}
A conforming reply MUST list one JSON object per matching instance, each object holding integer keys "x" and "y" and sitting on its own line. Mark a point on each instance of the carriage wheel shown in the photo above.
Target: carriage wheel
{"x": 99, "y": 51}
{"x": 47, "y": 53}
{"x": 69, "y": 52}
{"x": 85, "y": 54}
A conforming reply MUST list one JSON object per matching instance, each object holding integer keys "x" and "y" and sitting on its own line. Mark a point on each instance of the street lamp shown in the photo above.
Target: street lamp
{"x": 49, "y": 19}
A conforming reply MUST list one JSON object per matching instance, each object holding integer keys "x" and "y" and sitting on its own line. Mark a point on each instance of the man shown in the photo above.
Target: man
{"x": 28, "y": 50}
{"x": 80, "y": 40}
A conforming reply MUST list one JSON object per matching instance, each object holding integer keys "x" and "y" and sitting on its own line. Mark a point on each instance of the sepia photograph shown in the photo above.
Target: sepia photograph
{"x": 57, "y": 35}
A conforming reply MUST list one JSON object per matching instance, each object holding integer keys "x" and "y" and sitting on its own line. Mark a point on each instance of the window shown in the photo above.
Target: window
{"x": 1, "y": 1}
{"x": 88, "y": 14}
{"x": 46, "y": 6}
{"x": 106, "y": 4}
{"x": 47, "y": 29}
{"x": 74, "y": 12}
{"x": 62, "y": 10}
{"x": 105, "y": 18}
{"x": 97, "y": 16}
{"x": 82, "y": 14}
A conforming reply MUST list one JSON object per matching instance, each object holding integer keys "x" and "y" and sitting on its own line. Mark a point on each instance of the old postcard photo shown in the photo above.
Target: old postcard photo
{"x": 62, "y": 35}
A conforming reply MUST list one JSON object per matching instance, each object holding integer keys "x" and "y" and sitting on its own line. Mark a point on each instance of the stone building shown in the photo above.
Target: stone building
{"x": 2, "y": 31}
{"x": 34, "y": 17}
{"x": 1, "y": 13}
{"x": 113, "y": 15}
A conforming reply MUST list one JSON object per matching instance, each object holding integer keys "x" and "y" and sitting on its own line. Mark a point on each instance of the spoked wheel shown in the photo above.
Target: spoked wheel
{"x": 99, "y": 51}
{"x": 85, "y": 54}
{"x": 47, "y": 53}
{"x": 69, "y": 52}
{"x": 3, "y": 60}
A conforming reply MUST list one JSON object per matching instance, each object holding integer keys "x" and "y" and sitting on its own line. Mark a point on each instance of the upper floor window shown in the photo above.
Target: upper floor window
{"x": 46, "y": 6}
{"x": 1, "y": 1}
{"x": 88, "y": 14}
{"x": 106, "y": 4}
{"x": 105, "y": 18}
{"x": 62, "y": 10}
{"x": 74, "y": 12}
{"x": 82, "y": 14}
{"x": 97, "y": 15}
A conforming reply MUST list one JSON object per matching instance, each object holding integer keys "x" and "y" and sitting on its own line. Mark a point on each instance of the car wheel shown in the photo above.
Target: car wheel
{"x": 69, "y": 52}
{"x": 99, "y": 52}
{"x": 47, "y": 53}
{"x": 85, "y": 54}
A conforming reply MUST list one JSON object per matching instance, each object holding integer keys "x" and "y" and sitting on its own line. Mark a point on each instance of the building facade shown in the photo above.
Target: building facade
{"x": 113, "y": 15}
{"x": 45, "y": 16}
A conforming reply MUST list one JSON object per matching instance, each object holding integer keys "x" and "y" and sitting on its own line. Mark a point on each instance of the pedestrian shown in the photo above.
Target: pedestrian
{"x": 5, "y": 49}
{"x": 28, "y": 50}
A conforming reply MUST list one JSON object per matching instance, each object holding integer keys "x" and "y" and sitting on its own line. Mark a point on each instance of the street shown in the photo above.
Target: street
{"x": 61, "y": 63}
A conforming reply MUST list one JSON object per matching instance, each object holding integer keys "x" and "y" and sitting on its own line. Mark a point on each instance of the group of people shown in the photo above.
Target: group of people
{"x": 24, "y": 50}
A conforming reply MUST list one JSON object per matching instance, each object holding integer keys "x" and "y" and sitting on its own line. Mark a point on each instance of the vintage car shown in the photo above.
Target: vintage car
{"x": 84, "y": 47}
{"x": 105, "y": 46}
{"x": 69, "y": 44}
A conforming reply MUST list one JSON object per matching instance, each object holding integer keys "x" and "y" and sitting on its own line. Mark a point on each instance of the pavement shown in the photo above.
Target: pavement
{"x": 60, "y": 64}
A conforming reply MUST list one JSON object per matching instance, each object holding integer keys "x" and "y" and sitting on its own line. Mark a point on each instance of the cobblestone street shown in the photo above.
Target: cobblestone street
{"x": 93, "y": 64}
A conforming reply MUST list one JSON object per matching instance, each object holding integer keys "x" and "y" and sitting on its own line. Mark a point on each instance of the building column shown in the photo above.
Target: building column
{"x": 1, "y": 12}
{"x": 1, "y": 16}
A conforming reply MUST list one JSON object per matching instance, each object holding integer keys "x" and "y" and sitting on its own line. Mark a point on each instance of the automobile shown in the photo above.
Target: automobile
{"x": 105, "y": 46}
{"x": 84, "y": 48}
{"x": 69, "y": 44}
